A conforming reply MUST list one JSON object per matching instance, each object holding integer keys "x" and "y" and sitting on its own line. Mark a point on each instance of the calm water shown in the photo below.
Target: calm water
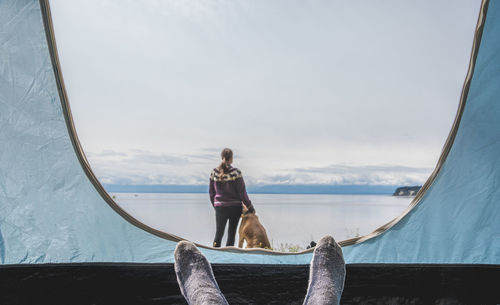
{"x": 288, "y": 219}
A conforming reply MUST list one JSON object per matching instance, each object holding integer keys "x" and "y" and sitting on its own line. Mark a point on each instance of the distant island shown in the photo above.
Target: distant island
{"x": 407, "y": 191}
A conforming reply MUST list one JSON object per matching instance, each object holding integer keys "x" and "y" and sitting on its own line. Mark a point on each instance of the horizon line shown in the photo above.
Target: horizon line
{"x": 340, "y": 189}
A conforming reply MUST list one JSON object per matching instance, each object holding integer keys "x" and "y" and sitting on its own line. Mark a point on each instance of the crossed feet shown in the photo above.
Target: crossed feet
{"x": 198, "y": 286}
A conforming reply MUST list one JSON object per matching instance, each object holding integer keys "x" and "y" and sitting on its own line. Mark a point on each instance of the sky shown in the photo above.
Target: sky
{"x": 304, "y": 92}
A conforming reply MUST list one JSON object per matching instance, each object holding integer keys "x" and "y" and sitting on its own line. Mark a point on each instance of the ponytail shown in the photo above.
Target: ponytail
{"x": 223, "y": 167}
{"x": 226, "y": 155}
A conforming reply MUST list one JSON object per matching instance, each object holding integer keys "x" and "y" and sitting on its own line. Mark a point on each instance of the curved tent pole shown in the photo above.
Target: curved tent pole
{"x": 451, "y": 136}
{"x": 49, "y": 31}
{"x": 51, "y": 41}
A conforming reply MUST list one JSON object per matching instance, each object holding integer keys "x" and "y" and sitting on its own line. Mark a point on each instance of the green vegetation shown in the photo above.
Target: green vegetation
{"x": 286, "y": 247}
{"x": 290, "y": 247}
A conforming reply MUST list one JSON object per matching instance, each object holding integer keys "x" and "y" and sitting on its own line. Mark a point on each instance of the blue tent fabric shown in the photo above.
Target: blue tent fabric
{"x": 458, "y": 219}
{"x": 51, "y": 212}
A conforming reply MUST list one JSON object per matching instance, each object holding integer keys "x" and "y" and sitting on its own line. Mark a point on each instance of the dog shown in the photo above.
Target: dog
{"x": 252, "y": 231}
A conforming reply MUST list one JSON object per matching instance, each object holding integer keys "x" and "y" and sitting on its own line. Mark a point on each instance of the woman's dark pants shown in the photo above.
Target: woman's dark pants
{"x": 222, "y": 215}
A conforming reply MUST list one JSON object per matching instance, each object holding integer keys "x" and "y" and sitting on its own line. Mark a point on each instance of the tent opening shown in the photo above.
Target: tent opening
{"x": 328, "y": 107}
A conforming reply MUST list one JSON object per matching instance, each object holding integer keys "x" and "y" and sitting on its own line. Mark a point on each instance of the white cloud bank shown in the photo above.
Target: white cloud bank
{"x": 143, "y": 167}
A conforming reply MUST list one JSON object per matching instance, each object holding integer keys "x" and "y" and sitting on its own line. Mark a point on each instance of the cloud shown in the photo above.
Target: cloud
{"x": 344, "y": 174}
{"x": 336, "y": 74}
{"x": 346, "y": 168}
{"x": 106, "y": 153}
{"x": 145, "y": 167}
{"x": 296, "y": 88}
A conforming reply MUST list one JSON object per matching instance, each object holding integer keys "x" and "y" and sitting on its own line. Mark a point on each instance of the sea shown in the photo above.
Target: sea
{"x": 292, "y": 221}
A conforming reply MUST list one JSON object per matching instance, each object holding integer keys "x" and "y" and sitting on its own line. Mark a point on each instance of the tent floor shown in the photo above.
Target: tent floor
{"x": 104, "y": 283}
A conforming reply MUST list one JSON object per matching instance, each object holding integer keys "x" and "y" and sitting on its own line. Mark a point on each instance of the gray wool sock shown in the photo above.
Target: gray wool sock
{"x": 327, "y": 274}
{"x": 195, "y": 276}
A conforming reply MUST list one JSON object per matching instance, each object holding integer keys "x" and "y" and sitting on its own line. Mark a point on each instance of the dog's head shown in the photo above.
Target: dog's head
{"x": 245, "y": 212}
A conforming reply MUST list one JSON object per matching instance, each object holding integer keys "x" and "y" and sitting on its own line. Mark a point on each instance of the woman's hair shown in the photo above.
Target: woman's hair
{"x": 226, "y": 155}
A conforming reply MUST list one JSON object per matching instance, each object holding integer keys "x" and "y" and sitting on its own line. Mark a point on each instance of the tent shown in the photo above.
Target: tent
{"x": 59, "y": 228}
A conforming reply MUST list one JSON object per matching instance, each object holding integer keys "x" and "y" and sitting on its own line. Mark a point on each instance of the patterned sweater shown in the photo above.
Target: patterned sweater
{"x": 228, "y": 189}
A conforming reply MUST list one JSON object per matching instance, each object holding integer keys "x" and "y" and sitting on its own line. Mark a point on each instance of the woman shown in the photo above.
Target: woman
{"x": 227, "y": 192}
